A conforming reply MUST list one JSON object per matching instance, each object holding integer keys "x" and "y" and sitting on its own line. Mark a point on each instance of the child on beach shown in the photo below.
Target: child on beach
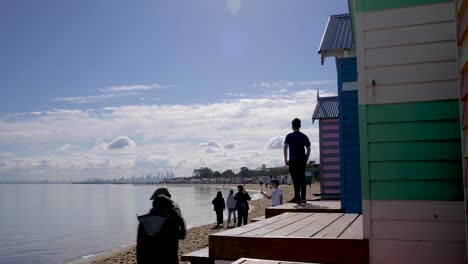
{"x": 219, "y": 207}
{"x": 276, "y": 196}
{"x": 231, "y": 205}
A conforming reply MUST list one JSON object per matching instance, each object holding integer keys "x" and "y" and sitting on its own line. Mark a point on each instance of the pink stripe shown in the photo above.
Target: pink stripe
{"x": 331, "y": 167}
{"x": 329, "y": 135}
{"x": 331, "y": 159}
{"x": 329, "y": 120}
{"x": 332, "y": 183}
{"x": 331, "y": 143}
{"x": 331, "y": 151}
{"x": 325, "y": 175}
{"x": 332, "y": 191}
{"x": 322, "y": 127}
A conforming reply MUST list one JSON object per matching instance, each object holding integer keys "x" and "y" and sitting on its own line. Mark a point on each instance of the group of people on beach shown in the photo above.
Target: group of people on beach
{"x": 160, "y": 229}
{"x": 239, "y": 203}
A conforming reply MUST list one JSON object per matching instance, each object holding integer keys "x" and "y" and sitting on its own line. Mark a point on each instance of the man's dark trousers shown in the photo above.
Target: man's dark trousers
{"x": 297, "y": 171}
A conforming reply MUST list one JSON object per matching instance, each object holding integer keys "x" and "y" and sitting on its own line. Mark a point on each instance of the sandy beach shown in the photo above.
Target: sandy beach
{"x": 197, "y": 237}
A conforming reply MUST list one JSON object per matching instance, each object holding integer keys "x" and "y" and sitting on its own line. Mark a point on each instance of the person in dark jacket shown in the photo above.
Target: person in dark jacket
{"x": 219, "y": 206}
{"x": 159, "y": 232}
{"x": 242, "y": 205}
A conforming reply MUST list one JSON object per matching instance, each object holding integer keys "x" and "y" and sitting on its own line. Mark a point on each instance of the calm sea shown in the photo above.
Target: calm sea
{"x": 57, "y": 223}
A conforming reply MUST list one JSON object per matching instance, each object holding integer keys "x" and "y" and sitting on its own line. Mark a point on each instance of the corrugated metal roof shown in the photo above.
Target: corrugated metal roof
{"x": 338, "y": 34}
{"x": 327, "y": 107}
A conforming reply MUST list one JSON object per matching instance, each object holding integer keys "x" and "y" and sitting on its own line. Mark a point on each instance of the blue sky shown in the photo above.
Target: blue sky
{"x": 79, "y": 77}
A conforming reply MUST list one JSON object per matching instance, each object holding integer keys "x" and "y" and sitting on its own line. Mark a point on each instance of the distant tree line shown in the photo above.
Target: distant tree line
{"x": 207, "y": 173}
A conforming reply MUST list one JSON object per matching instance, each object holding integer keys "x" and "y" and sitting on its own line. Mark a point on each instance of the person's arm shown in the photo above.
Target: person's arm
{"x": 308, "y": 153}
{"x": 266, "y": 195}
{"x": 248, "y": 196}
{"x": 285, "y": 152}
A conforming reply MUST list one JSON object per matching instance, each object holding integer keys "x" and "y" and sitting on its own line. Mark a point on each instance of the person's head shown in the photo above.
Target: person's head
{"x": 240, "y": 188}
{"x": 231, "y": 192}
{"x": 163, "y": 203}
{"x": 219, "y": 194}
{"x": 275, "y": 183}
{"x": 296, "y": 124}
{"x": 160, "y": 191}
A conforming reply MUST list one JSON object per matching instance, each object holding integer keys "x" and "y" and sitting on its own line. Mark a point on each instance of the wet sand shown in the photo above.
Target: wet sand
{"x": 197, "y": 237}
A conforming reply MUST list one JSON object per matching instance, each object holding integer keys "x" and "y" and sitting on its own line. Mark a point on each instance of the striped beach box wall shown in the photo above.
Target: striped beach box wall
{"x": 329, "y": 133}
{"x": 409, "y": 120}
{"x": 351, "y": 199}
{"x": 462, "y": 32}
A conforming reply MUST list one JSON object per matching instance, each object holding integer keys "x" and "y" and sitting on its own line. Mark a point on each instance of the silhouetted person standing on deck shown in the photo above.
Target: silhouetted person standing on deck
{"x": 296, "y": 142}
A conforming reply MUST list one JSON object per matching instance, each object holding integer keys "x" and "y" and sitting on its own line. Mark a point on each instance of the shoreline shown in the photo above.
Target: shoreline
{"x": 197, "y": 236}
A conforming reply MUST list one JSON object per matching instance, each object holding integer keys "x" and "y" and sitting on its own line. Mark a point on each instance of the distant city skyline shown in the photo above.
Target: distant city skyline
{"x": 115, "y": 88}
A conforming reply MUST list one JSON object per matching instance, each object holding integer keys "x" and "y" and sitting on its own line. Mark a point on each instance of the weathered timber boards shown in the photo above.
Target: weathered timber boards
{"x": 329, "y": 251}
{"x": 198, "y": 257}
{"x": 309, "y": 207}
{"x": 301, "y": 237}
{"x": 262, "y": 261}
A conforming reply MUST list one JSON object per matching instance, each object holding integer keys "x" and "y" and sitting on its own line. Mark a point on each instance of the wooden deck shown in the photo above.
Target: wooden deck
{"x": 262, "y": 261}
{"x": 309, "y": 207}
{"x": 328, "y": 238}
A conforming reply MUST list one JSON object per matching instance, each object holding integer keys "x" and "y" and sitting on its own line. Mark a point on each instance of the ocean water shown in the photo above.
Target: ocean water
{"x": 57, "y": 223}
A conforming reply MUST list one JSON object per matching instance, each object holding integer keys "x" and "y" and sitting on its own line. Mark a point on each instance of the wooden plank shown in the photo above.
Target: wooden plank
{"x": 288, "y": 230}
{"x": 247, "y": 228}
{"x": 423, "y": 14}
{"x": 311, "y": 230}
{"x": 463, "y": 56}
{"x": 421, "y": 53}
{"x": 411, "y": 92}
{"x": 295, "y": 249}
{"x": 417, "y": 190}
{"x": 309, "y": 207}
{"x": 408, "y": 112}
{"x": 419, "y": 230}
{"x": 412, "y": 131}
{"x": 198, "y": 257}
{"x": 412, "y": 73}
{"x": 355, "y": 230}
{"x": 364, "y": 152}
{"x": 335, "y": 229}
{"x": 268, "y": 228}
{"x": 262, "y": 261}
{"x": 451, "y": 211}
{"x": 366, "y": 219}
{"x": 415, "y": 170}
{"x": 415, "y": 150}
{"x": 428, "y": 252}
{"x": 422, "y": 33}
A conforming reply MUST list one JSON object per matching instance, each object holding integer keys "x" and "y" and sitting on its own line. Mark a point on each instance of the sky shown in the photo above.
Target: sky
{"x": 114, "y": 88}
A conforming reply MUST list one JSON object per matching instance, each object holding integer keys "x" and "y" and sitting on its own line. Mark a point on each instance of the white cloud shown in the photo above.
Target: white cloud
{"x": 135, "y": 87}
{"x": 93, "y": 98}
{"x": 168, "y": 135}
{"x": 121, "y": 143}
{"x": 64, "y": 147}
{"x": 290, "y": 84}
{"x": 275, "y": 142}
{"x": 211, "y": 143}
